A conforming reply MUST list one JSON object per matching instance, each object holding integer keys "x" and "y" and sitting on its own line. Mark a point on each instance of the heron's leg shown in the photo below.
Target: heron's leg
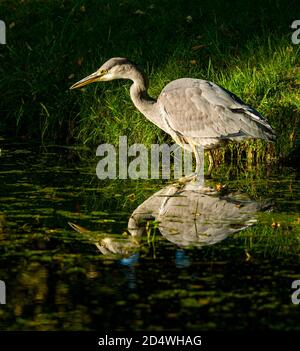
{"x": 211, "y": 161}
{"x": 198, "y": 175}
{"x": 199, "y": 155}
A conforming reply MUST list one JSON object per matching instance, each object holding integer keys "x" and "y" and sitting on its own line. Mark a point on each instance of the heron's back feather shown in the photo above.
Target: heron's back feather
{"x": 206, "y": 114}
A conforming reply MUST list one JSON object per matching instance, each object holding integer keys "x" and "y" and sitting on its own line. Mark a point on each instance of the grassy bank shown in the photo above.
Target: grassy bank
{"x": 244, "y": 46}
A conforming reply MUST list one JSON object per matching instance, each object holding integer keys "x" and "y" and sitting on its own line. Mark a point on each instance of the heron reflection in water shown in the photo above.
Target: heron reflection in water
{"x": 185, "y": 217}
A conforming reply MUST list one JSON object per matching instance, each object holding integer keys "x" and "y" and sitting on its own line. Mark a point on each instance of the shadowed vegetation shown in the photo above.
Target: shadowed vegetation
{"x": 243, "y": 46}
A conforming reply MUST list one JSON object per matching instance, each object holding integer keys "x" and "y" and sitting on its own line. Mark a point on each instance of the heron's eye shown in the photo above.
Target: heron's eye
{"x": 103, "y": 71}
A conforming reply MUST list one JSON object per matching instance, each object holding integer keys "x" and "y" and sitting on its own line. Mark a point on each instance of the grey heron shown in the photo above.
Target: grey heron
{"x": 196, "y": 113}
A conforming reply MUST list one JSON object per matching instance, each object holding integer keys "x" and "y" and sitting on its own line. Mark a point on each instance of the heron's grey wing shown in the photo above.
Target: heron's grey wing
{"x": 200, "y": 218}
{"x": 200, "y": 109}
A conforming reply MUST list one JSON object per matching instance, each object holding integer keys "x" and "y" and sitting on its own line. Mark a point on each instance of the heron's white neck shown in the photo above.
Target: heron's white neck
{"x": 142, "y": 101}
{"x": 138, "y": 92}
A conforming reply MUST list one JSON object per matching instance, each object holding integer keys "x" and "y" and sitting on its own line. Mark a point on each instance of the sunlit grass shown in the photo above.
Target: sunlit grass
{"x": 50, "y": 47}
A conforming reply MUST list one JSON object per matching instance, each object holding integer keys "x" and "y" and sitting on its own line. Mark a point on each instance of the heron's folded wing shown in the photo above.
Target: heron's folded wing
{"x": 201, "y": 109}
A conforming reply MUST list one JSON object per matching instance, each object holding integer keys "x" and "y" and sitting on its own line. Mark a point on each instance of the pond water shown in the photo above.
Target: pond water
{"x": 187, "y": 260}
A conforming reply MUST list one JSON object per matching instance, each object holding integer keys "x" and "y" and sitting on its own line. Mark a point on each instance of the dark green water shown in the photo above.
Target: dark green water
{"x": 57, "y": 279}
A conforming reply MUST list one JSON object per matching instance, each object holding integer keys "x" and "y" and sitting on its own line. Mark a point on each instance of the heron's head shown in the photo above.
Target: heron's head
{"x": 114, "y": 68}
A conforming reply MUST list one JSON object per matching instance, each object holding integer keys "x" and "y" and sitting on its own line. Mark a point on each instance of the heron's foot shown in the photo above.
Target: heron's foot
{"x": 187, "y": 179}
{"x": 194, "y": 182}
{"x": 199, "y": 187}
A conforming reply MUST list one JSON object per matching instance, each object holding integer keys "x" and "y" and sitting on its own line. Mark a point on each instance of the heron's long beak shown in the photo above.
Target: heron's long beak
{"x": 94, "y": 77}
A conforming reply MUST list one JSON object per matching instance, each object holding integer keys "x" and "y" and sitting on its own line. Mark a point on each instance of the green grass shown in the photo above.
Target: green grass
{"x": 244, "y": 46}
